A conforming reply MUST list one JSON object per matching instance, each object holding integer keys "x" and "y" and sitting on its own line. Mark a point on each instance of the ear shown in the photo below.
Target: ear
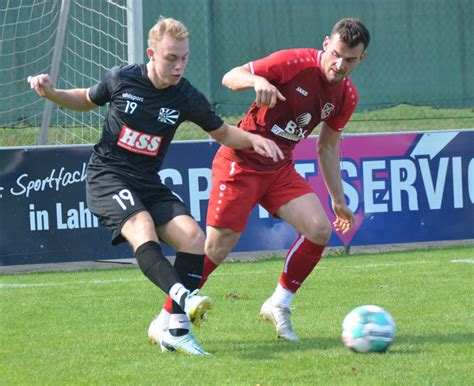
{"x": 326, "y": 41}
{"x": 150, "y": 52}
{"x": 362, "y": 56}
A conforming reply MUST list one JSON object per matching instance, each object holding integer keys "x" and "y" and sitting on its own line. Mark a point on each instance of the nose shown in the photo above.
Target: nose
{"x": 180, "y": 64}
{"x": 339, "y": 64}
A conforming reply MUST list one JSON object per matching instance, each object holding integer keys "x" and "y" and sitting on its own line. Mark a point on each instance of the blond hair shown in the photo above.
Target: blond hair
{"x": 173, "y": 27}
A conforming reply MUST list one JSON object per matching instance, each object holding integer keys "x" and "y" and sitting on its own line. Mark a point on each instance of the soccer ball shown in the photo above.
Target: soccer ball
{"x": 368, "y": 328}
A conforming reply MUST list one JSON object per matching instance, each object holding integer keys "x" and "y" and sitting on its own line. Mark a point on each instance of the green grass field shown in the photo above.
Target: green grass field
{"x": 90, "y": 327}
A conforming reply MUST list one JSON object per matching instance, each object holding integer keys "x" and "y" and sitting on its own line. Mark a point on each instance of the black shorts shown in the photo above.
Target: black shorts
{"x": 114, "y": 198}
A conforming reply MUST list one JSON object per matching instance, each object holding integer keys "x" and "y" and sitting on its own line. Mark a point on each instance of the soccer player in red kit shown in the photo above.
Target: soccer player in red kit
{"x": 296, "y": 90}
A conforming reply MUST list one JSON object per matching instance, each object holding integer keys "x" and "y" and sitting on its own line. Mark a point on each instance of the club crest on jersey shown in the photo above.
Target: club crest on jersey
{"x": 327, "y": 110}
{"x": 137, "y": 142}
{"x": 294, "y": 131}
{"x": 169, "y": 116}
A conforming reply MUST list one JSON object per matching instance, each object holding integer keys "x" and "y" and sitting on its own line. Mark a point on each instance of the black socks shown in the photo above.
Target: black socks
{"x": 155, "y": 266}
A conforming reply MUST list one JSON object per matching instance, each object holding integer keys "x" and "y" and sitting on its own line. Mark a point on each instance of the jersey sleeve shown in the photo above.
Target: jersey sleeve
{"x": 101, "y": 93}
{"x": 282, "y": 65}
{"x": 202, "y": 114}
{"x": 349, "y": 104}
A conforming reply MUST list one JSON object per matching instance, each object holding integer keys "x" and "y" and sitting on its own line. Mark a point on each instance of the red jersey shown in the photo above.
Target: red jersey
{"x": 310, "y": 99}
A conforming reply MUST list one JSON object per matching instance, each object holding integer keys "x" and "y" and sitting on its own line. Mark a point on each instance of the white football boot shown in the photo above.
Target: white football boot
{"x": 196, "y": 306}
{"x": 158, "y": 327}
{"x": 186, "y": 344}
{"x": 280, "y": 317}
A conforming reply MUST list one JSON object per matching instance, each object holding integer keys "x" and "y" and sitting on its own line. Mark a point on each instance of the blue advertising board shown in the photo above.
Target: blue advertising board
{"x": 402, "y": 188}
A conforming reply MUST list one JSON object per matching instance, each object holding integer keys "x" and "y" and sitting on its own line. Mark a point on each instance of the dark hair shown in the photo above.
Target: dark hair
{"x": 352, "y": 32}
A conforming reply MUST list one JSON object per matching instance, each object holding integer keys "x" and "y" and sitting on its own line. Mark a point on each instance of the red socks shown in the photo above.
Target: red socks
{"x": 208, "y": 268}
{"x": 300, "y": 262}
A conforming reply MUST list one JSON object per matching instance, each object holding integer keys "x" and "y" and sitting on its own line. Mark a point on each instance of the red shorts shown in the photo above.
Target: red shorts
{"x": 236, "y": 190}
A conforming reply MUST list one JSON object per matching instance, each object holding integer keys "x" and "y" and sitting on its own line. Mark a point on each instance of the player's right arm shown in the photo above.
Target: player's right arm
{"x": 75, "y": 99}
{"x": 241, "y": 78}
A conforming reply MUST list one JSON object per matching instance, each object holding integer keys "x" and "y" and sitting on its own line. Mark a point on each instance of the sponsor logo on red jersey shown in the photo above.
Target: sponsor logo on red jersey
{"x": 302, "y": 91}
{"x": 294, "y": 131}
{"x": 138, "y": 142}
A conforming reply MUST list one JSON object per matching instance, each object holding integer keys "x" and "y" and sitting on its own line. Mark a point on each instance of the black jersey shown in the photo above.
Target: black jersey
{"x": 141, "y": 120}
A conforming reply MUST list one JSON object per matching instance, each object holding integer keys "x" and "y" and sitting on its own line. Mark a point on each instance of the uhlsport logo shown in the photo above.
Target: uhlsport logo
{"x": 169, "y": 116}
{"x": 132, "y": 97}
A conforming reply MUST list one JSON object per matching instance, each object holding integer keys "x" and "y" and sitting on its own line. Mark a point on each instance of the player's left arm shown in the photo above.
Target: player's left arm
{"x": 329, "y": 160}
{"x": 232, "y": 136}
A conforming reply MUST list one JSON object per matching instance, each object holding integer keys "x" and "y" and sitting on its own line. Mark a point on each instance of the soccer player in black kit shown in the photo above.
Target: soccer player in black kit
{"x": 147, "y": 103}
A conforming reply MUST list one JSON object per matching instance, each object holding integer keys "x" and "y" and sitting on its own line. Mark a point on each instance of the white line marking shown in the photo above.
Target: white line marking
{"x": 469, "y": 261}
{"x": 391, "y": 264}
{"x": 112, "y": 281}
{"x": 243, "y": 273}
{"x": 265, "y": 272}
{"x": 96, "y": 281}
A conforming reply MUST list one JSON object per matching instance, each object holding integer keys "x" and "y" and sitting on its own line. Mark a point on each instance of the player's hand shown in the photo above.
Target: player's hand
{"x": 41, "y": 84}
{"x": 266, "y": 93}
{"x": 267, "y": 148}
{"x": 344, "y": 218}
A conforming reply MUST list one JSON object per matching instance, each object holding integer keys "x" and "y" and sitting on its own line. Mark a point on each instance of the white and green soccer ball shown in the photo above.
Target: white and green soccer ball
{"x": 368, "y": 328}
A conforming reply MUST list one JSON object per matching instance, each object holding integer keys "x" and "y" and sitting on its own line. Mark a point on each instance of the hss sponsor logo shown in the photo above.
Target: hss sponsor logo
{"x": 138, "y": 142}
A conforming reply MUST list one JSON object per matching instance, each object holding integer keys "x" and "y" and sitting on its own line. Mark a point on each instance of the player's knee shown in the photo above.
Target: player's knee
{"x": 196, "y": 240}
{"x": 217, "y": 251}
{"x": 219, "y": 243}
{"x": 320, "y": 232}
{"x": 325, "y": 233}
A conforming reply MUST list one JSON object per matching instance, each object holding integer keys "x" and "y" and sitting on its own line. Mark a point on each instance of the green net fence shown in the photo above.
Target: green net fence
{"x": 417, "y": 74}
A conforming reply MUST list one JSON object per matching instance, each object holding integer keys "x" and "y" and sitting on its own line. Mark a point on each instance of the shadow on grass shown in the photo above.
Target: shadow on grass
{"x": 454, "y": 338}
{"x": 270, "y": 349}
